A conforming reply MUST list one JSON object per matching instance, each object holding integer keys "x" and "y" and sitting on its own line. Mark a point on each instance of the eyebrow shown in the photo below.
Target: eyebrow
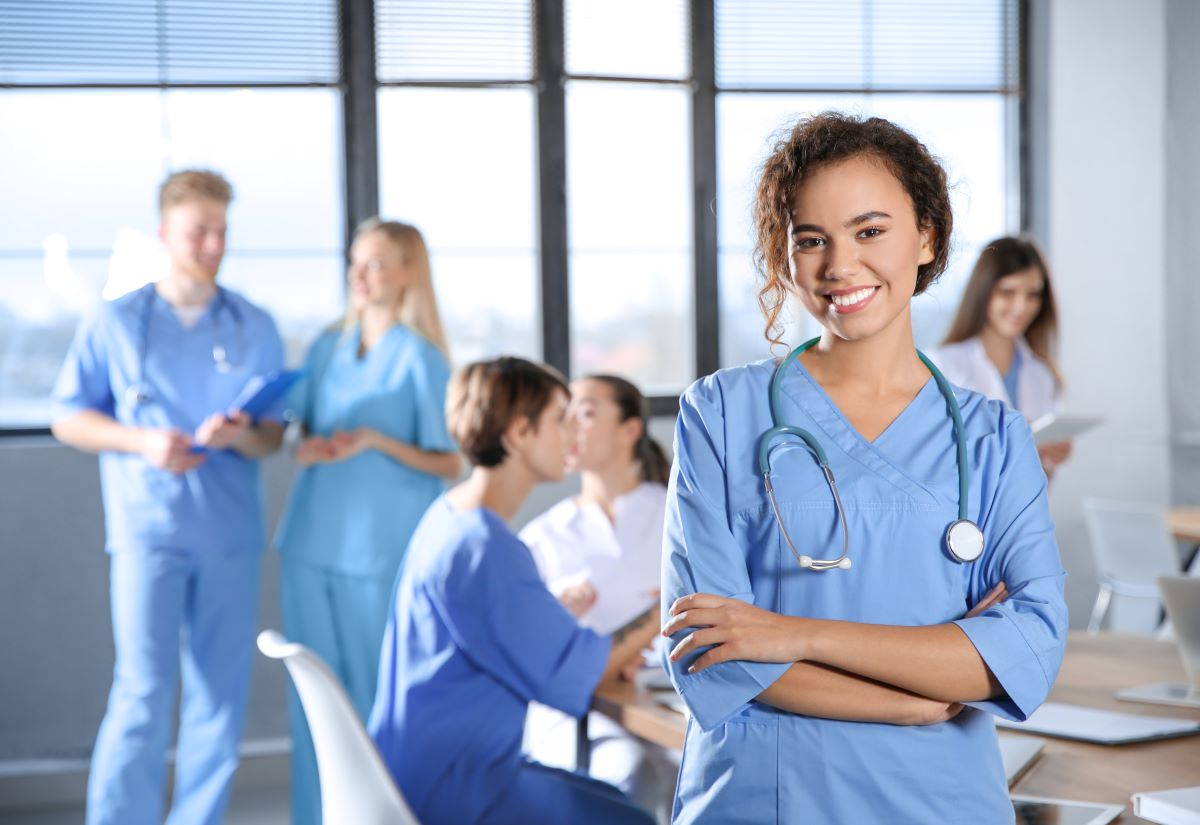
{"x": 856, "y": 221}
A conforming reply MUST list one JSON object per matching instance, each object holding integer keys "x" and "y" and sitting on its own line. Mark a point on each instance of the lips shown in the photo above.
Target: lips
{"x": 845, "y": 302}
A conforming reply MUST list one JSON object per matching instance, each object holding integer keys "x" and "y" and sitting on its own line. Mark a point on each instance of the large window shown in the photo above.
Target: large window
{"x": 96, "y": 116}
{"x": 582, "y": 169}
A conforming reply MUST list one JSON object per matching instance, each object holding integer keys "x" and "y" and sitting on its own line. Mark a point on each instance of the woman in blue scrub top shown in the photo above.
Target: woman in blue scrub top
{"x": 475, "y": 636}
{"x": 374, "y": 455}
{"x": 863, "y": 694}
{"x": 1002, "y": 340}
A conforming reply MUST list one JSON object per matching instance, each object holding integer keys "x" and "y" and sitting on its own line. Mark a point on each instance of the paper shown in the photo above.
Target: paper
{"x": 1103, "y": 726}
{"x": 1051, "y": 428}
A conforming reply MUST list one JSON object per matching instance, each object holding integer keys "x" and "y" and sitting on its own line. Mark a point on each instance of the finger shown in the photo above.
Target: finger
{"x": 696, "y": 640}
{"x": 713, "y": 657}
{"x": 697, "y": 617}
{"x": 693, "y": 600}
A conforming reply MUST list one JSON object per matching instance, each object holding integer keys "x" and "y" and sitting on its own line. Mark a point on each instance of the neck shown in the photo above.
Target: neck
{"x": 180, "y": 290}
{"x": 604, "y": 487}
{"x": 500, "y": 489}
{"x": 999, "y": 348}
{"x": 877, "y": 365}
{"x": 374, "y": 322}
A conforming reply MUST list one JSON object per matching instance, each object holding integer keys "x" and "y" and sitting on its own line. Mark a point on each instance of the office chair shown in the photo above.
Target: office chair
{"x": 1132, "y": 548}
{"x": 356, "y": 788}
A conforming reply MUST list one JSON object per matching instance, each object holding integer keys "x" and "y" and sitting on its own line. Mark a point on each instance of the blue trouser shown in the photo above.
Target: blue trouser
{"x": 541, "y": 795}
{"x": 171, "y": 605}
{"x": 341, "y": 618}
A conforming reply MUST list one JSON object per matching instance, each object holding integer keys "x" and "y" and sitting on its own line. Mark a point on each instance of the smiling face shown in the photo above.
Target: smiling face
{"x": 193, "y": 233}
{"x": 601, "y": 437}
{"x": 1015, "y": 302}
{"x": 854, "y": 247}
{"x": 378, "y": 273}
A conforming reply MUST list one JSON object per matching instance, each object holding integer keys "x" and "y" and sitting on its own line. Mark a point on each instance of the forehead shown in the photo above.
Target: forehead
{"x": 373, "y": 244}
{"x": 847, "y": 188}
{"x": 591, "y": 390}
{"x": 1028, "y": 278}
{"x": 195, "y": 211}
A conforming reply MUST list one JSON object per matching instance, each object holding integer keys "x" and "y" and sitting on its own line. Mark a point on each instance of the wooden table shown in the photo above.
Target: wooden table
{"x": 1185, "y": 523}
{"x": 1095, "y": 666}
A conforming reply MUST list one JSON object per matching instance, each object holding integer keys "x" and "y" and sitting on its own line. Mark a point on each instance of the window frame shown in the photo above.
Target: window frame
{"x": 359, "y": 84}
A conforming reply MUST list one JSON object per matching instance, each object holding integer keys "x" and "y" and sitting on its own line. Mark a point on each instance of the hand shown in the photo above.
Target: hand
{"x": 994, "y": 596}
{"x": 349, "y": 443}
{"x": 934, "y": 712}
{"x": 737, "y": 629}
{"x": 1054, "y": 454}
{"x": 314, "y": 450}
{"x": 170, "y": 450}
{"x": 220, "y": 431}
{"x": 578, "y": 598}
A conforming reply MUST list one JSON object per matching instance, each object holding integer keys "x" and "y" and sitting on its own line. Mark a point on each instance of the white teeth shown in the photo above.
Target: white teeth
{"x": 851, "y": 298}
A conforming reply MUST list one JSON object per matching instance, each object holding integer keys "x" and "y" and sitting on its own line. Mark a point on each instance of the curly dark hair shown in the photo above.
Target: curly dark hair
{"x": 815, "y": 142}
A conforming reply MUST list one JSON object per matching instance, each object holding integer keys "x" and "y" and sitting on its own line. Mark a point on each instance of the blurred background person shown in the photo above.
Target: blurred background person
{"x": 374, "y": 453}
{"x": 600, "y": 553}
{"x": 1003, "y": 338}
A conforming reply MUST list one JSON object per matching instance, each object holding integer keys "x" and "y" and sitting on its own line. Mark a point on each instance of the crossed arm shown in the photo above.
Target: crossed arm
{"x": 841, "y": 670}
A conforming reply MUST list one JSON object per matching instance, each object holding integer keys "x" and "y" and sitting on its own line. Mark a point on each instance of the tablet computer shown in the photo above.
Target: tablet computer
{"x": 1039, "y": 810}
{"x": 1051, "y": 428}
{"x": 1105, "y": 727}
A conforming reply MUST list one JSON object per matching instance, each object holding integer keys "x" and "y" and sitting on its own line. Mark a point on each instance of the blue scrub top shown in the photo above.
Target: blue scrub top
{"x": 218, "y": 506}
{"x": 474, "y": 636}
{"x": 746, "y": 761}
{"x": 356, "y": 516}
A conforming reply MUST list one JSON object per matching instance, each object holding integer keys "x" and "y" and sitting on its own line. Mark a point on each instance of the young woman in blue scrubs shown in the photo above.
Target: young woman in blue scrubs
{"x": 1002, "y": 340}
{"x": 859, "y": 694}
{"x": 475, "y": 636}
{"x": 374, "y": 455}
{"x": 148, "y": 385}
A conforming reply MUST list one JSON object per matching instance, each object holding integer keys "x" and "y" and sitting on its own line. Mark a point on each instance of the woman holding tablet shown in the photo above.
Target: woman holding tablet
{"x": 1002, "y": 340}
{"x": 841, "y": 525}
{"x": 374, "y": 454}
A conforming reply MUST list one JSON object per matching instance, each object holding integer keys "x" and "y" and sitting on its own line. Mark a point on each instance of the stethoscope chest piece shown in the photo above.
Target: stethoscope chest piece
{"x": 964, "y": 540}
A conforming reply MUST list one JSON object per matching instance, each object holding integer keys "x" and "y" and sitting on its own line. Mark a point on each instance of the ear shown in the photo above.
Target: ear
{"x": 632, "y": 429}
{"x": 928, "y": 240}
{"x": 520, "y": 429}
{"x": 162, "y": 230}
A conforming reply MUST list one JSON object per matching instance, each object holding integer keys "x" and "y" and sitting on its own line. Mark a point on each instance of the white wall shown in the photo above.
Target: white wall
{"x": 1107, "y": 99}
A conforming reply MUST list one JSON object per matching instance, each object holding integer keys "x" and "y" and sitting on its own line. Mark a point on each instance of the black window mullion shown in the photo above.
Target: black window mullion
{"x": 552, "y": 176}
{"x": 359, "y": 115}
{"x": 704, "y": 181}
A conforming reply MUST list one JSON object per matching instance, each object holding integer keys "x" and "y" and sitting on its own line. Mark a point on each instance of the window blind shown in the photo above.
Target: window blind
{"x": 141, "y": 42}
{"x": 459, "y": 41}
{"x": 920, "y": 45}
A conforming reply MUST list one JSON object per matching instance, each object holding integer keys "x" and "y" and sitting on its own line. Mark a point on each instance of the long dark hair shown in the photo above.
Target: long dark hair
{"x": 999, "y": 259}
{"x": 652, "y": 458}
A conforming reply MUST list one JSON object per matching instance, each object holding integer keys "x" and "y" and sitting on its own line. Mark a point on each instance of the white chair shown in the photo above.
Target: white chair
{"x": 356, "y": 788}
{"x": 1132, "y": 547}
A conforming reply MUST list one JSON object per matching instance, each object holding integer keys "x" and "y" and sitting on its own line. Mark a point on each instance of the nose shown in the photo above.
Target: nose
{"x": 841, "y": 260}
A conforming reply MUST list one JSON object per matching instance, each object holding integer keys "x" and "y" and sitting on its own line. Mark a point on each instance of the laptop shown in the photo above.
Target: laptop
{"x": 1181, "y": 598}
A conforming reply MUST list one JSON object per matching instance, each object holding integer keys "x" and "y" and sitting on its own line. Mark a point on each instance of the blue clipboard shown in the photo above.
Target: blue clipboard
{"x": 262, "y": 391}
{"x": 258, "y": 395}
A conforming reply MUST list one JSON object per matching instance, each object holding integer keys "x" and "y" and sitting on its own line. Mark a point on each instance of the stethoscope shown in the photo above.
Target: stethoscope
{"x": 964, "y": 539}
{"x": 138, "y": 392}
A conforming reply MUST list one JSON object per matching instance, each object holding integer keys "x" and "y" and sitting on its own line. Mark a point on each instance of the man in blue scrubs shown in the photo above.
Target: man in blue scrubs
{"x": 148, "y": 384}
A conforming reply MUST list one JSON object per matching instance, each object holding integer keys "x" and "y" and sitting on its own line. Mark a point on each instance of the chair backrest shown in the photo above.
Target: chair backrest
{"x": 1181, "y": 596}
{"x": 356, "y": 787}
{"x": 1132, "y": 547}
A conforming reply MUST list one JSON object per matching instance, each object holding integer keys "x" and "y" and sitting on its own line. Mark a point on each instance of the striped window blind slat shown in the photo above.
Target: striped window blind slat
{"x": 464, "y": 40}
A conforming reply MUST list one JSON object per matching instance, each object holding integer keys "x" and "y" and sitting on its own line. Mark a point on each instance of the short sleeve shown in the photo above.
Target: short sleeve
{"x": 432, "y": 377}
{"x": 506, "y": 622}
{"x": 83, "y": 381}
{"x": 700, "y": 555}
{"x": 1022, "y": 639}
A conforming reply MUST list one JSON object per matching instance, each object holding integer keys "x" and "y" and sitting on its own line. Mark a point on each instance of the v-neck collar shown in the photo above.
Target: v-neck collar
{"x": 803, "y": 390}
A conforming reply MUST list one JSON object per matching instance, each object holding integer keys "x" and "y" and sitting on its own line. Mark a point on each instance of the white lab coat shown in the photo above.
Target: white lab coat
{"x": 966, "y": 365}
